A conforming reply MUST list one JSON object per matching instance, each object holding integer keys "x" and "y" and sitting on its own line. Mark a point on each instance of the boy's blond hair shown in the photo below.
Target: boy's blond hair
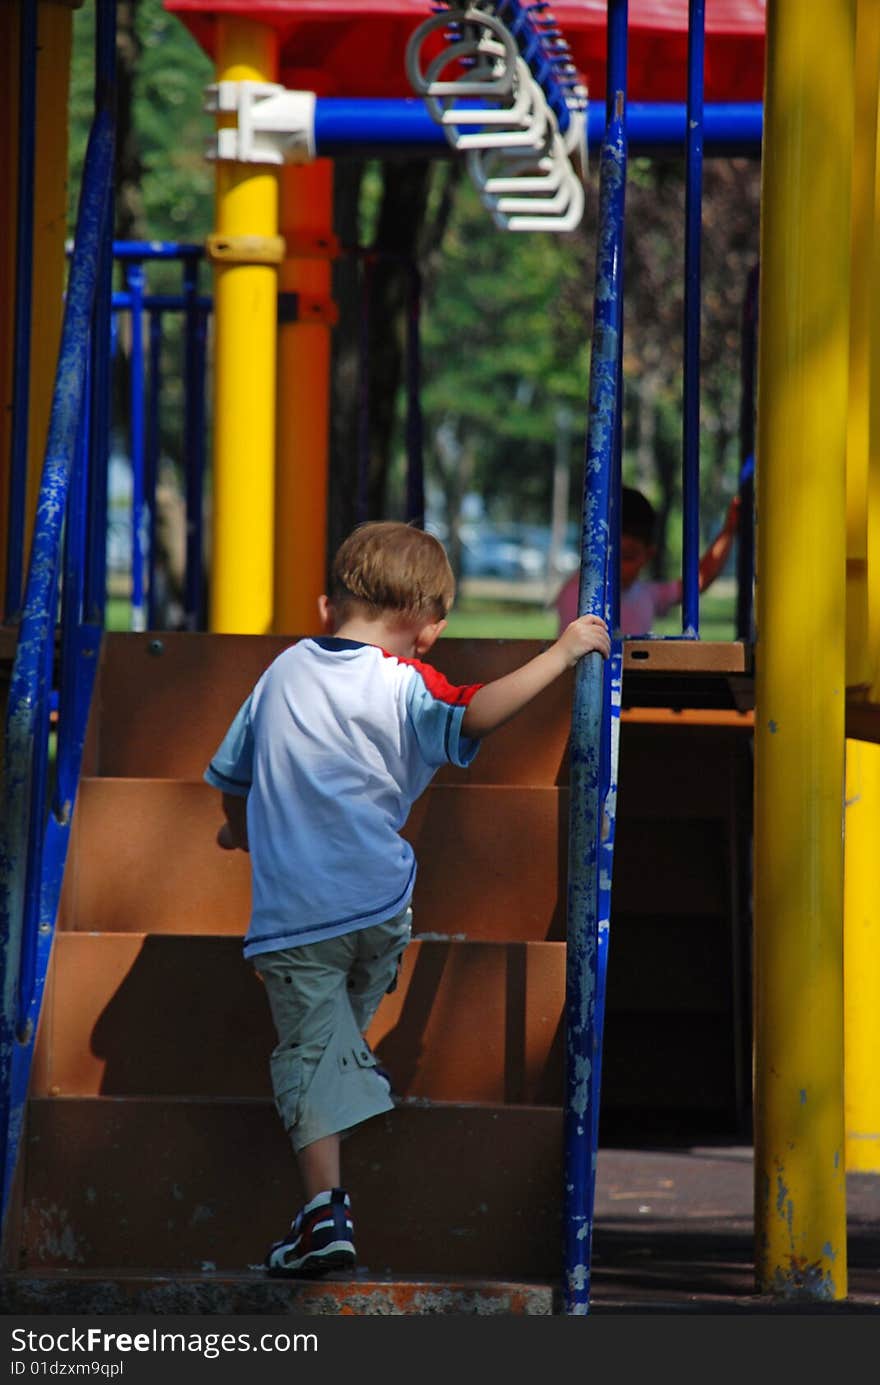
{"x": 392, "y": 568}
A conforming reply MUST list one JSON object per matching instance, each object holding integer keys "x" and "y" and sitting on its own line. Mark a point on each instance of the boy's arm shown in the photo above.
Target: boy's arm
{"x": 230, "y": 771}
{"x": 717, "y": 553}
{"x": 495, "y": 703}
{"x": 233, "y": 833}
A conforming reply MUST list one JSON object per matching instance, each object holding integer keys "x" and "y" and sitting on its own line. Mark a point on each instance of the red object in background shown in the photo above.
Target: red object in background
{"x": 356, "y": 47}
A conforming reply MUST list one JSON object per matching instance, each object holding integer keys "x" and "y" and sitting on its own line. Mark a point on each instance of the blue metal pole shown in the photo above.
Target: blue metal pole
{"x": 347, "y": 124}
{"x": 415, "y": 463}
{"x": 194, "y": 443}
{"x": 37, "y": 621}
{"x": 584, "y": 1002}
{"x": 24, "y": 268}
{"x": 157, "y": 250}
{"x": 690, "y": 485}
{"x": 745, "y": 539}
{"x": 154, "y": 394}
{"x": 102, "y": 347}
{"x": 136, "y": 281}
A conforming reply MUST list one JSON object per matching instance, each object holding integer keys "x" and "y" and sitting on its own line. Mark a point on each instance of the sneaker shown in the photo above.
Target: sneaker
{"x": 320, "y": 1239}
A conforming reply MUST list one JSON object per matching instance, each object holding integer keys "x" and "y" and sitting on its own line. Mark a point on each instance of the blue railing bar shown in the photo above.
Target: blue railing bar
{"x": 415, "y": 461}
{"x": 589, "y": 725}
{"x": 162, "y": 302}
{"x": 140, "y": 521}
{"x": 745, "y": 537}
{"x": 194, "y": 444}
{"x": 99, "y": 404}
{"x": 157, "y": 250}
{"x": 153, "y": 450}
{"x": 612, "y": 694}
{"x": 693, "y": 216}
{"x": 35, "y": 828}
{"x": 24, "y": 269}
{"x": 35, "y": 921}
{"x": 37, "y": 621}
{"x": 344, "y": 125}
{"x": 72, "y": 587}
{"x": 616, "y": 81}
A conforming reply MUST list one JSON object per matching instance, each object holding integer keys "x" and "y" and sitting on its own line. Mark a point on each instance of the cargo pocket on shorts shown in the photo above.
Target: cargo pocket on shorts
{"x": 286, "y": 1072}
{"x": 360, "y": 1057}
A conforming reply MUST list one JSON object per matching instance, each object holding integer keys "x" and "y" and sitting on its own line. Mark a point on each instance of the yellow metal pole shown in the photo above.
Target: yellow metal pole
{"x": 800, "y": 1181}
{"x": 54, "y": 41}
{"x": 245, "y": 250}
{"x": 858, "y": 671}
{"x": 862, "y": 958}
{"x": 306, "y": 316}
{"x": 862, "y": 930}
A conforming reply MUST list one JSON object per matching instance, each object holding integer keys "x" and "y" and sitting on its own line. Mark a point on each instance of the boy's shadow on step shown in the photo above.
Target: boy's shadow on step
{"x": 191, "y": 1020}
{"x": 186, "y": 1021}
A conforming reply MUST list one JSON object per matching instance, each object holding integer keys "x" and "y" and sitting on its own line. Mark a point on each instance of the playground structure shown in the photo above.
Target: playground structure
{"x": 818, "y": 356}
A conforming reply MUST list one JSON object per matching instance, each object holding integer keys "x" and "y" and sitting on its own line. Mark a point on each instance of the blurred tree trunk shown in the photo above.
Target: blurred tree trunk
{"x": 343, "y": 445}
{"x": 129, "y": 218}
{"x": 406, "y": 233}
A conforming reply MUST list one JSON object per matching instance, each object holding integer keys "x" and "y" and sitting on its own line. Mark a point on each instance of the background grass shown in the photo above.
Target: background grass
{"x": 476, "y": 617}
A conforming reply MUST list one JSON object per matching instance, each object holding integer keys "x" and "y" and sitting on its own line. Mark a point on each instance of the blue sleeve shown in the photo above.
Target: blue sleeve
{"x": 231, "y": 767}
{"x": 437, "y": 725}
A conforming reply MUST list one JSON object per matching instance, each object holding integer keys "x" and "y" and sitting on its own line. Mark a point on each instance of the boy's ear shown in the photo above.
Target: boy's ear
{"x": 326, "y": 615}
{"x": 428, "y": 635}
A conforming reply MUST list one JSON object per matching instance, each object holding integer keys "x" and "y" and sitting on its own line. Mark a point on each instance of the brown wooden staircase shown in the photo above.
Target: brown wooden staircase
{"x": 152, "y": 1148}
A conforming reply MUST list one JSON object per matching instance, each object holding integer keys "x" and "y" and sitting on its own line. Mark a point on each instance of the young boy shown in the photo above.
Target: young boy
{"x": 642, "y": 602}
{"x": 318, "y": 772}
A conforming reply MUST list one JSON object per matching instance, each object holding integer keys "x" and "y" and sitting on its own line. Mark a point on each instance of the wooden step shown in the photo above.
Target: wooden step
{"x": 163, "y": 702}
{"x": 143, "y": 858}
{"x": 156, "y": 1184}
{"x": 103, "y": 1033}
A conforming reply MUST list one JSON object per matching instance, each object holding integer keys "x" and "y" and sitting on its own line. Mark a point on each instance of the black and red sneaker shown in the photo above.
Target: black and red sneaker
{"x": 321, "y": 1238}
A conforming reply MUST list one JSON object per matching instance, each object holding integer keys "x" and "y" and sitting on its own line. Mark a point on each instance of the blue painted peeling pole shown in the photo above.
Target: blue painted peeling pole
{"x": 99, "y": 405}
{"x": 194, "y": 441}
{"x": 28, "y": 686}
{"x": 591, "y": 713}
{"x": 690, "y": 483}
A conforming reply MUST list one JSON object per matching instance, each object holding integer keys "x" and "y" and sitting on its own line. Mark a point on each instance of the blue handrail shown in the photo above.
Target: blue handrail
{"x": 33, "y": 844}
{"x": 592, "y": 752}
{"x": 690, "y": 481}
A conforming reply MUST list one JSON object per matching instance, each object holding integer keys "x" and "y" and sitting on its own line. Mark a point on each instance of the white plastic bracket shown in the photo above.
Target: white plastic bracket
{"x": 274, "y": 125}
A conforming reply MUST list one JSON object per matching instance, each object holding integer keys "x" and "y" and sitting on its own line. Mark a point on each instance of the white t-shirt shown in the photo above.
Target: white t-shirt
{"x": 332, "y": 748}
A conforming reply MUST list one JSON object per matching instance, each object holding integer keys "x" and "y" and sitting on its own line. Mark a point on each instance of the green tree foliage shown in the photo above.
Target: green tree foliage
{"x": 506, "y": 318}
{"x": 507, "y": 342}
{"x": 169, "y": 72}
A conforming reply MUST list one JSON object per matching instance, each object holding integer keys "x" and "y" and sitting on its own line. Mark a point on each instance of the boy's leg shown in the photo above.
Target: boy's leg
{"x": 319, "y": 1166}
{"x": 376, "y": 966}
{"x": 324, "y": 1080}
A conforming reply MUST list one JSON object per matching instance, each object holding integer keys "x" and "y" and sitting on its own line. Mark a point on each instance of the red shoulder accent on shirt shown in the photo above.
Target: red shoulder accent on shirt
{"x": 437, "y": 685}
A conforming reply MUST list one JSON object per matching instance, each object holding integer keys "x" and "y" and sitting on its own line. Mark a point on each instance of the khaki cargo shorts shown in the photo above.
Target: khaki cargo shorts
{"x": 323, "y": 997}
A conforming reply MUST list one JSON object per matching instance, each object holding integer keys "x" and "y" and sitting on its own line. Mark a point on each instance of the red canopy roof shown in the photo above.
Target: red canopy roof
{"x": 356, "y": 47}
